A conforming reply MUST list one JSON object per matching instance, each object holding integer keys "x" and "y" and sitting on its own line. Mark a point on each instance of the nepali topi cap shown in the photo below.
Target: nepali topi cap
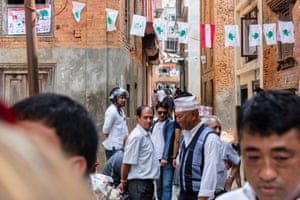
{"x": 185, "y": 104}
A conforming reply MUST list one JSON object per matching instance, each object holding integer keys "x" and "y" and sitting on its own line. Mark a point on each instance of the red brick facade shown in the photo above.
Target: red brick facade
{"x": 287, "y": 78}
{"x": 90, "y": 32}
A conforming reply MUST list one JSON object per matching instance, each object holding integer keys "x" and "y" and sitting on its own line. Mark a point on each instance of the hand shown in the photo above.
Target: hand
{"x": 122, "y": 187}
{"x": 175, "y": 164}
{"x": 163, "y": 162}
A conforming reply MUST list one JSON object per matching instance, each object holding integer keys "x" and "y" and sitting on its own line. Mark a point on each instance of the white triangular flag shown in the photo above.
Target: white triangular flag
{"x": 77, "y": 8}
{"x": 270, "y": 33}
{"x": 183, "y": 30}
{"x": 138, "y": 25}
{"x": 161, "y": 28}
{"x": 255, "y": 35}
{"x": 286, "y": 30}
{"x": 111, "y": 16}
{"x": 232, "y": 37}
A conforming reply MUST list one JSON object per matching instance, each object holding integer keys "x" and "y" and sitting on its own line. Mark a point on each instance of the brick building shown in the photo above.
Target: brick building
{"x": 229, "y": 74}
{"x": 79, "y": 59}
{"x": 281, "y": 62}
{"x": 217, "y": 77}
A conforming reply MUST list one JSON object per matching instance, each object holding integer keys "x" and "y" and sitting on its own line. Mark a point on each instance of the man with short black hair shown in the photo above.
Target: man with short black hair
{"x": 60, "y": 118}
{"x": 162, "y": 135}
{"x": 140, "y": 164}
{"x": 199, "y": 156}
{"x": 269, "y": 132}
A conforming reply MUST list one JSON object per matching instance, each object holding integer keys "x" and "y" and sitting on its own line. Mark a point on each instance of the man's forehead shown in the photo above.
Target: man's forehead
{"x": 270, "y": 141}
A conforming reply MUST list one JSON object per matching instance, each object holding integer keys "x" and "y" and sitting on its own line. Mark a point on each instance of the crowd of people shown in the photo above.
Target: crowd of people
{"x": 49, "y": 146}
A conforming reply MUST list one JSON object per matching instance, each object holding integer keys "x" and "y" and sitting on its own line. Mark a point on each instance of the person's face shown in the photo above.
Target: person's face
{"x": 146, "y": 118}
{"x": 37, "y": 131}
{"x": 215, "y": 125}
{"x": 272, "y": 164}
{"x": 43, "y": 135}
{"x": 121, "y": 100}
{"x": 186, "y": 119}
{"x": 162, "y": 114}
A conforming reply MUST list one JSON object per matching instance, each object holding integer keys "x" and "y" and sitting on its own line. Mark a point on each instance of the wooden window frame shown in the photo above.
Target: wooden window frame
{"x": 250, "y": 53}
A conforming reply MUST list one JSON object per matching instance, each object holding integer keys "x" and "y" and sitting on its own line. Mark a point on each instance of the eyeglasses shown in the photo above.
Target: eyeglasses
{"x": 162, "y": 112}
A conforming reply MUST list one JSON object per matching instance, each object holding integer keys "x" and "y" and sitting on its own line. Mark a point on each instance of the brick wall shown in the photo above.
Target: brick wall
{"x": 288, "y": 78}
{"x": 89, "y": 32}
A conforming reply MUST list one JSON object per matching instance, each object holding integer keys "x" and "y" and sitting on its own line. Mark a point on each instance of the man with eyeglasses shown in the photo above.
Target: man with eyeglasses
{"x": 163, "y": 133}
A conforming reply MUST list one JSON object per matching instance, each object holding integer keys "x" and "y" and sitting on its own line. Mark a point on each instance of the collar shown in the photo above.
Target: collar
{"x": 142, "y": 130}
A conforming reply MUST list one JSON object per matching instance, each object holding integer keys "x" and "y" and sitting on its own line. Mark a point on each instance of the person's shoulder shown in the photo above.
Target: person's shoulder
{"x": 111, "y": 108}
{"x": 243, "y": 193}
{"x": 235, "y": 194}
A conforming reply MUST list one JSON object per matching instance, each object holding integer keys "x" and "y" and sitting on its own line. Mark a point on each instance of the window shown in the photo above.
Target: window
{"x": 164, "y": 71}
{"x": 12, "y": 20}
{"x": 171, "y": 45}
{"x": 248, "y": 52}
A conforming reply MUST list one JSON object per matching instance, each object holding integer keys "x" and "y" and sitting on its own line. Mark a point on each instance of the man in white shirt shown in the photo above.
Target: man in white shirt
{"x": 269, "y": 132}
{"x": 162, "y": 136}
{"x": 228, "y": 154}
{"x": 199, "y": 153}
{"x": 115, "y": 127}
{"x": 140, "y": 165}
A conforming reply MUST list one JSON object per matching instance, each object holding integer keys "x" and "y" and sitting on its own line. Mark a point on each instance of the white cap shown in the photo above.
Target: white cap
{"x": 185, "y": 104}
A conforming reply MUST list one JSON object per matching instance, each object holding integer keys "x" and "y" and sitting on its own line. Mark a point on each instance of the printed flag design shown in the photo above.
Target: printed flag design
{"x": 232, "y": 35}
{"x": 207, "y": 32}
{"x": 255, "y": 35}
{"x": 160, "y": 27}
{"x": 111, "y": 16}
{"x": 286, "y": 32}
{"x": 77, "y": 8}
{"x": 270, "y": 33}
{"x": 183, "y": 29}
{"x": 138, "y": 25}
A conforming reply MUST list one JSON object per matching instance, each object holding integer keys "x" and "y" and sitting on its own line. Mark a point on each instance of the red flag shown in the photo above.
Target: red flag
{"x": 207, "y": 32}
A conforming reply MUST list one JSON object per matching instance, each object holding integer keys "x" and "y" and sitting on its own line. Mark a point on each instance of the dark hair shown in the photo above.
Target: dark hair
{"x": 163, "y": 104}
{"x": 270, "y": 112}
{"x": 183, "y": 94}
{"x": 73, "y": 124}
{"x": 257, "y": 89}
{"x": 141, "y": 108}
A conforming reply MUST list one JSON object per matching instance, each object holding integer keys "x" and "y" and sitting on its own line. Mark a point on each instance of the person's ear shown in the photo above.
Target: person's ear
{"x": 78, "y": 164}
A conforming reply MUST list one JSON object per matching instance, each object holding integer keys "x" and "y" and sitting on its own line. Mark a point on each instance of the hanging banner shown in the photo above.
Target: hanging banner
{"x": 111, "y": 17}
{"x": 77, "y": 8}
{"x": 255, "y": 35}
{"x": 207, "y": 32}
{"x": 160, "y": 27}
{"x": 183, "y": 30}
{"x": 286, "y": 32}
{"x": 16, "y": 20}
{"x": 232, "y": 36}
{"x": 138, "y": 25}
{"x": 270, "y": 33}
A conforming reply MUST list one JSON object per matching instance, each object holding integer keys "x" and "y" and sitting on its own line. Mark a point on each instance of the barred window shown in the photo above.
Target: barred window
{"x": 171, "y": 45}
